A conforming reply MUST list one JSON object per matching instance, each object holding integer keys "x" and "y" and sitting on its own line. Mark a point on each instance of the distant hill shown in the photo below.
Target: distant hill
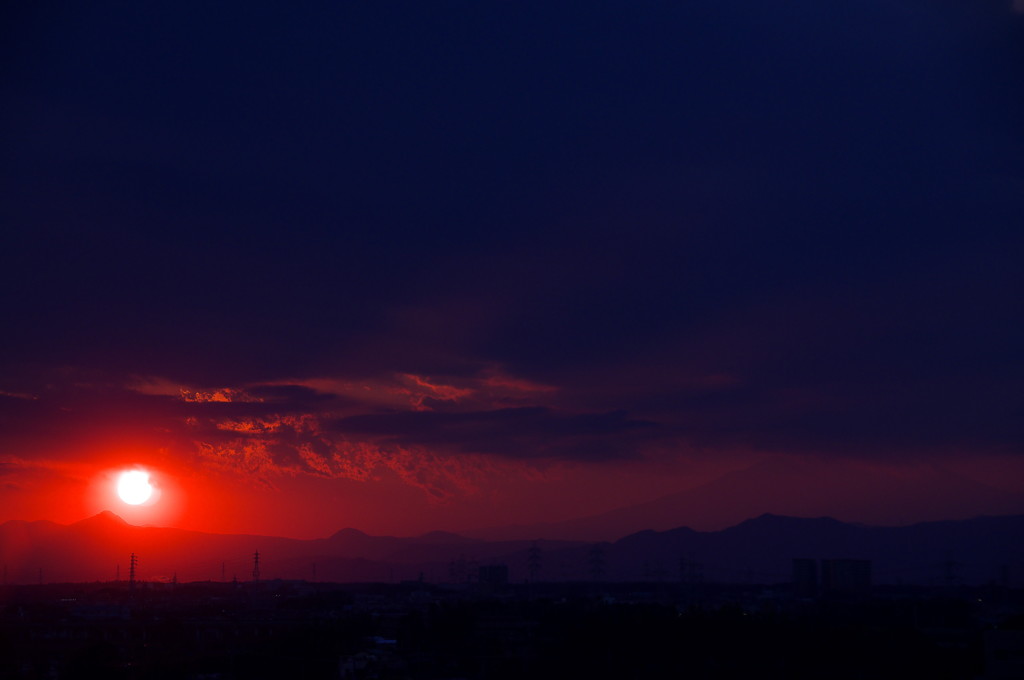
{"x": 981, "y": 550}
{"x": 985, "y": 549}
{"x": 852, "y": 492}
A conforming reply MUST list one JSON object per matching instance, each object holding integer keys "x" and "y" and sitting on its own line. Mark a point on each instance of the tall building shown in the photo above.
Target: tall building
{"x": 852, "y": 577}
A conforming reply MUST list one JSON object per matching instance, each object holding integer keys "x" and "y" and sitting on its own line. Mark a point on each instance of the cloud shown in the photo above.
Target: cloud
{"x": 518, "y": 433}
{"x": 441, "y": 434}
{"x": 264, "y": 456}
{"x": 226, "y": 395}
{"x": 434, "y": 391}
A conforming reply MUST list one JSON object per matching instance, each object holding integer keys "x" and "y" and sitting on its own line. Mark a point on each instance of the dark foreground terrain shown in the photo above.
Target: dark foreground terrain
{"x": 414, "y": 630}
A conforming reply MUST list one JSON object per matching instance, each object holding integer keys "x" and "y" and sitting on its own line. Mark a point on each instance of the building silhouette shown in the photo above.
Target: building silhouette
{"x": 805, "y": 577}
{"x": 846, "y": 577}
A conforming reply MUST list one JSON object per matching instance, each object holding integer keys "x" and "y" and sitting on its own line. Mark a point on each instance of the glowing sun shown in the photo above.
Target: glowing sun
{"x": 133, "y": 487}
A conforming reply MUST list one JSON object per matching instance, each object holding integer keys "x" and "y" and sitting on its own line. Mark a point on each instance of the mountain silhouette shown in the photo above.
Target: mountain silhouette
{"x": 853, "y": 492}
{"x": 985, "y": 549}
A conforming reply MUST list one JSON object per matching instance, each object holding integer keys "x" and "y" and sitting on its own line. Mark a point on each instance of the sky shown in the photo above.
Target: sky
{"x": 409, "y": 266}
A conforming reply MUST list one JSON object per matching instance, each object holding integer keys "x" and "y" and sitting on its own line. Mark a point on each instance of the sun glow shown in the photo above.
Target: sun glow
{"x": 133, "y": 487}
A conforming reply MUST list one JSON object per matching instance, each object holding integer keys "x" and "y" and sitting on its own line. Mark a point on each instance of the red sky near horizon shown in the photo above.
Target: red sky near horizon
{"x": 247, "y": 463}
{"x": 418, "y": 267}
{"x": 241, "y": 460}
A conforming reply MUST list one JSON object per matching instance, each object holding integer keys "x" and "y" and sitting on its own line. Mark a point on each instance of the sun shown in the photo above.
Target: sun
{"x": 133, "y": 487}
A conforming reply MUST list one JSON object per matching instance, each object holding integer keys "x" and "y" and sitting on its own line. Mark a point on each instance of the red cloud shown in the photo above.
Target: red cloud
{"x": 224, "y": 395}
{"x": 422, "y": 389}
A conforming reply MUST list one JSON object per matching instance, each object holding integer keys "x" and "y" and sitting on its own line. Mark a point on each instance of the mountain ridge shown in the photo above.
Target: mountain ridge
{"x": 854, "y": 493}
{"x": 988, "y": 548}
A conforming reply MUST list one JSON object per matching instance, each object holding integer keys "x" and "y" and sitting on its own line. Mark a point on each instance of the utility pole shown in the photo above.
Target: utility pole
{"x": 256, "y": 567}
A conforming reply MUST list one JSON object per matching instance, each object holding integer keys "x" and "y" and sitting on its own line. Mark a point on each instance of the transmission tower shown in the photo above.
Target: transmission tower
{"x": 133, "y": 561}
{"x": 256, "y": 567}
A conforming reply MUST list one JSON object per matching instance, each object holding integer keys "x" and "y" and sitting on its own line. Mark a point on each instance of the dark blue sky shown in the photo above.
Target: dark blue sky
{"x": 572, "y": 231}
